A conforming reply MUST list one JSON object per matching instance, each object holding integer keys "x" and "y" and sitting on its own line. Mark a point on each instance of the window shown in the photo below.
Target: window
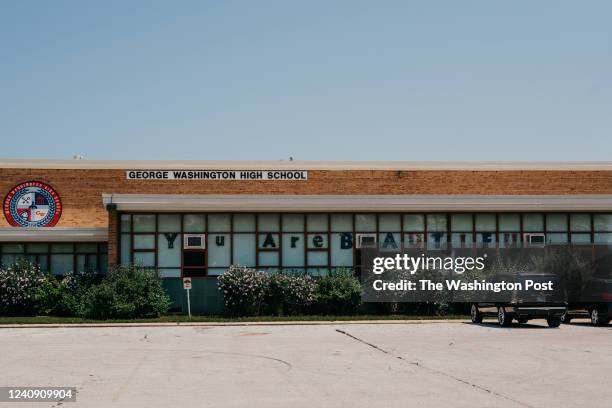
{"x": 461, "y": 227}
{"x": 556, "y": 229}
{"x": 58, "y": 258}
{"x": 313, "y": 242}
{"x": 365, "y": 222}
{"x": 436, "y": 231}
{"x": 533, "y": 222}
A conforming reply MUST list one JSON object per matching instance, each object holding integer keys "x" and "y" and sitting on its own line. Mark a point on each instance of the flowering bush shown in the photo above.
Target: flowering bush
{"x": 19, "y": 288}
{"x": 290, "y": 294}
{"x": 244, "y": 290}
{"x": 250, "y": 292}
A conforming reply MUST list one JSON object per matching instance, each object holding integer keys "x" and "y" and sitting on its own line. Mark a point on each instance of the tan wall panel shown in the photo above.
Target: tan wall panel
{"x": 80, "y": 190}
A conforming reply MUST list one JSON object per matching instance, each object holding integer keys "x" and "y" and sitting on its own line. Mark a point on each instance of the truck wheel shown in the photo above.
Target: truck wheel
{"x": 475, "y": 314}
{"x": 596, "y": 317}
{"x": 554, "y": 321}
{"x": 566, "y": 318}
{"x": 503, "y": 318}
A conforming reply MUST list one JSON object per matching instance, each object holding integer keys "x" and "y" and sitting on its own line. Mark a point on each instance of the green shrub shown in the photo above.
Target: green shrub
{"x": 19, "y": 288}
{"x": 289, "y": 293}
{"x": 338, "y": 293}
{"x": 126, "y": 292}
{"x": 64, "y": 296}
{"x": 244, "y": 290}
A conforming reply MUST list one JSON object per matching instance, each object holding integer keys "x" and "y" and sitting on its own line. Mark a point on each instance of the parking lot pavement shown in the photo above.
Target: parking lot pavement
{"x": 425, "y": 365}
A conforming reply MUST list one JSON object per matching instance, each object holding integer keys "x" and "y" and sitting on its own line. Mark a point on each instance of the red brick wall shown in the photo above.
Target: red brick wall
{"x": 80, "y": 190}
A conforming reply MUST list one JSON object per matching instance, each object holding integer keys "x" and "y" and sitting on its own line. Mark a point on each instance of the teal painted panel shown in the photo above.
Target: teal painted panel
{"x": 206, "y": 298}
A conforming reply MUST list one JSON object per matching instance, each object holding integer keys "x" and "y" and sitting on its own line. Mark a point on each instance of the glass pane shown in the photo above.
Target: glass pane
{"x": 37, "y": 248}
{"x": 509, "y": 240}
{"x": 461, "y": 222}
{"x": 436, "y": 240}
{"x": 144, "y": 241}
{"x": 218, "y": 223}
{"x": 91, "y": 248}
{"x": 389, "y": 240}
{"x": 144, "y": 222}
{"x": 533, "y": 222}
{"x": 317, "y": 241}
{"x": 414, "y": 240}
{"x": 317, "y": 258}
{"x": 170, "y": 273}
{"x": 436, "y": 222}
{"x": 244, "y": 249}
{"x": 365, "y": 222}
{"x": 244, "y": 222}
{"x": 169, "y": 222}
{"x": 126, "y": 248}
{"x": 126, "y": 223}
{"x": 268, "y": 222}
{"x": 269, "y": 241}
{"x": 268, "y": 258}
{"x": 342, "y": 249}
{"x": 316, "y": 222}
{"x": 485, "y": 240}
{"x": 194, "y": 223}
{"x": 144, "y": 258}
{"x": 86, "y": 263}
{"x": 318, "y": 271}
{"x": 169, "y": 250}
{"x": 293, "y": 250}
{"x": 485, "y": 222}
{"x": 43, "y": 262}
{"x": 462, "y": 240}
{"x": 556, "y": 222}
{"x": 61, "y": 264}
{"x": 63, "y": 248}
{"x": 556, "y": 238}
{"x": 216, "y": 271}
{"x": 602, "y": 238}
{"x": 7, "y": 260}
{"x": 219, "y": 251}
{"x": 12, "y": 248}
{"x": 602, "y": 222}
{"x": 580, "y": 222}
{"x": 103, "y": 264}
{"x": 293, "y": 222}
{"x": 294, "y": 270}
{"x": 389, "y": 222}
{"x": 342, "y": 222}
{"x": 509, "y": 222}
{"x": 414, "y": 222}
{"x": 581, "y": 239}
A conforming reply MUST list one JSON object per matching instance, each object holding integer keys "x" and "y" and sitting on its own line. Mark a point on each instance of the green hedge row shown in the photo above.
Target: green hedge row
{"x": 125, "y": 292}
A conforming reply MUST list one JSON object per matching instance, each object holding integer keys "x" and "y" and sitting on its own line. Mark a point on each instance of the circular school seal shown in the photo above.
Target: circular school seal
{"x": 32, "y": 204}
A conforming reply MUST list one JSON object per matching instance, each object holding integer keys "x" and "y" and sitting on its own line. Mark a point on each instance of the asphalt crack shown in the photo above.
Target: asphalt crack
{"x": 436, "y": 371}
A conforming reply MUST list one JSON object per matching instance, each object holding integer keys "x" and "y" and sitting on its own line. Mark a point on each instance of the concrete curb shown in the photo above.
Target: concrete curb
{"x": 222, "y": 324}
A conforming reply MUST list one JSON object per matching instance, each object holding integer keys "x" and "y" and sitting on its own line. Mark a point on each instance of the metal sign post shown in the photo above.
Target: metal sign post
{"x": 187, "y": 287}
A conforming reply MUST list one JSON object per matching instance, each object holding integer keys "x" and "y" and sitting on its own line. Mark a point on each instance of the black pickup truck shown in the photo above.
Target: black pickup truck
{"x": 594, "y": 302}
{"x": 525, "y": 305}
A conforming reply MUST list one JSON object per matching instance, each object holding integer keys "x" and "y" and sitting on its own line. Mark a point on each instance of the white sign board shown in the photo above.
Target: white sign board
{"x": 273, "y": 175}
{"x": 186, "y": 283}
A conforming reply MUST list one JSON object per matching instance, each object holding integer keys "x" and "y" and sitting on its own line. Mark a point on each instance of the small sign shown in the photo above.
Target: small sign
{"x": 186, "y": 283}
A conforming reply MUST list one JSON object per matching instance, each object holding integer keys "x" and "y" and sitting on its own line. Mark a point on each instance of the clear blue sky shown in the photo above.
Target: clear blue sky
{"x": 371, "y": 80}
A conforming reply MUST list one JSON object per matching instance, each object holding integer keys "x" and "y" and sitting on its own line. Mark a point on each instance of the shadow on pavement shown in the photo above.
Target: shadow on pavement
{"x": 514, "y": 325}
